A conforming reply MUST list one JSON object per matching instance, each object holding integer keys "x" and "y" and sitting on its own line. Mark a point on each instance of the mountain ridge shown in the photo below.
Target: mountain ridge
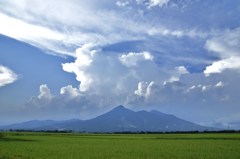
{"x": 119, "y": 119}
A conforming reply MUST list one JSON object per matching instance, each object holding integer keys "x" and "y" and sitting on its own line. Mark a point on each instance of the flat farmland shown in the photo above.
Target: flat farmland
{"x": 24, "y": 145}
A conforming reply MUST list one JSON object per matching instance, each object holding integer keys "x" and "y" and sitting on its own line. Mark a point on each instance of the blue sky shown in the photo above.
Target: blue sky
{"x": 76, "y": 59}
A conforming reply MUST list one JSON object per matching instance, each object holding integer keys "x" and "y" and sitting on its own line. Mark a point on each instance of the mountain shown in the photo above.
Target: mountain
{"x": 33, "y": 124}
{"x": 120, "y": 119}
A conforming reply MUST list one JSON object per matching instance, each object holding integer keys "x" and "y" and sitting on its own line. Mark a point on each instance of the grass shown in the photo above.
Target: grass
{"x": 137, "y": 146}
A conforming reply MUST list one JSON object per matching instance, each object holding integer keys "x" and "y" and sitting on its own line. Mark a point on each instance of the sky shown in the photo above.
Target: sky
{"x": 76, "y": 59}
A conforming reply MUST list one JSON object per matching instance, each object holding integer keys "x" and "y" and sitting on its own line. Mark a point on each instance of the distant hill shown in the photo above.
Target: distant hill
{"x": 119, "y": 119}
{"x": 33, "y": 124}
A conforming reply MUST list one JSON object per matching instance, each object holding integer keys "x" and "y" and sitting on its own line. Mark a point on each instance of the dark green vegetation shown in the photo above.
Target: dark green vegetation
{"x": 25, "y": 145}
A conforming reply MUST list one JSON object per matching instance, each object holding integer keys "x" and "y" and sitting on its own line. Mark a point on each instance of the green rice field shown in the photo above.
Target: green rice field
{"x": 24, "y": 145}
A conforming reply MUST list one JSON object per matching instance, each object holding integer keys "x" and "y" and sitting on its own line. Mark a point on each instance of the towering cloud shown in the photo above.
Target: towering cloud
{"x": 45, "y": 93}
{"x": 85, "y": 56}
{"x": 111, "y": 74}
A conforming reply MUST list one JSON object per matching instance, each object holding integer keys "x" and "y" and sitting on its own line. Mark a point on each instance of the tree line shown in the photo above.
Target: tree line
{"x": 122, "y": 132}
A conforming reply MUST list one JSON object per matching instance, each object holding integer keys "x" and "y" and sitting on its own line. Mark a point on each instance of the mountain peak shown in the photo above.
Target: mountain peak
{"x": 120, "y": 107}
{"x": 119, "y": 110}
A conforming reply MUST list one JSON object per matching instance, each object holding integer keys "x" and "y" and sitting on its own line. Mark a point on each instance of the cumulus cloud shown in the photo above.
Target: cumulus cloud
{"x": 132, "y": 58}
{"x": 220, "y": 66}
{"x": 207, "y": 87}
{"x": 44, "y": 93}
{"x": 66, "y": 104}
{"x": 70, "y": 103}
{"x": 148, "y": 93}
{"x": 226, "y": 46}
{"x": 7, "y": 76}
{"x": 41, "y": 101}
{"x": 192, "y": 91}
{"x": 112, "y": 74}
{"x": 70, "y": 92}
{"x": 143, "y": 89}
{"x": 182, "y": 70}
{"x": 85, "y": 56}
{"x": 161, "y": 95}
{"x": 116, "y": 85}
{"x": 177, "y": 73}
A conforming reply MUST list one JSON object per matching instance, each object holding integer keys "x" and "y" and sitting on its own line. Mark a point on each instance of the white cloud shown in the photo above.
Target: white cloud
{"x": 45, "y": 93}
{"x": 142, "y": 89}
{"x": 33, "y": 34}
{"x": 122, "y": 4}
{"x": 7, "y": 76}
{"x": 133, "y": 58}
{"x": 172, "y": 79}
{"x": 147, "y": 93}
{"x": 219, "y": 84}
{"x": 179, "y": 33}
{"x": 69, "y": 103}
{"x": 85, "y": 56}
{"x": 116, "y": 85}
{"x": 177, "y": 73}
{"x": 191, "y": 88}
{"x": 160, "y": 3}
{"x": 61, "y": 27}
{"x": 182, "y": 70}
{"x": 70, "y": 92}
{"x": 226, "y": 46}
{"x": 26, "y": 30}
{"x": 220, "y": 66}
{"x": 112, "y": 75}
{"x": 105, "y": 76}
{"x": 147, "y": 90}
{"x": 206, "y": 88}
{"x": 79, "y": 23}
{"x": 41, "y": 24}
